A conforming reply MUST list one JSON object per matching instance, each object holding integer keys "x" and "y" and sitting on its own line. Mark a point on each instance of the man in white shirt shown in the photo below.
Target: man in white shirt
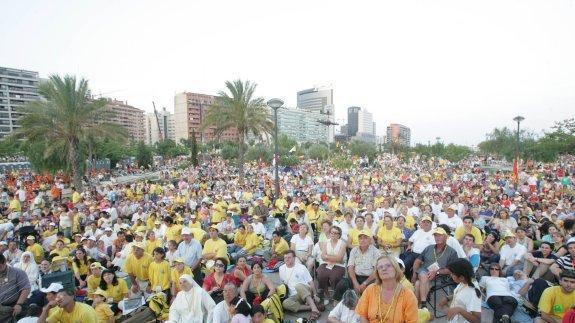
{"x": 412, "y": 209}
{"x": 300, "y": 284}
{"x": 436, "y": 205}
{"x": 450, "y": 218}
{"x": 512, "y": 255}
{"x": 221, "y": 312}
{"x": 418, "y": 241}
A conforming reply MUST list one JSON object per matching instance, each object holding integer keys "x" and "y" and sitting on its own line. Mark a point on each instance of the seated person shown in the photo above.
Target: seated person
{"x": 537, "y": 263}
{"x": 556, "y": 300}
{"x": 498, "y": 294}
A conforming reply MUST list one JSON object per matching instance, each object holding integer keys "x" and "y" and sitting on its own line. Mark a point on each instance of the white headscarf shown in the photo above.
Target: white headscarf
{"x": 194, "y": 305}
{"x": 30, "y": 268}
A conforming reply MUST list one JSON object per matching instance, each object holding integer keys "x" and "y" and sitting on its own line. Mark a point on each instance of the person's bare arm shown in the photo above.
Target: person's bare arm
{"x": 548, "y": 318}
{"x": 416, "y": 264}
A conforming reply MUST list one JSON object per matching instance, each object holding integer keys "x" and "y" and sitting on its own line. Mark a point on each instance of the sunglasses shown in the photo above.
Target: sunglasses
{"x": 334, "y": 232}
{"x": 494, "y": 268}
{"x": 219, "y": 265}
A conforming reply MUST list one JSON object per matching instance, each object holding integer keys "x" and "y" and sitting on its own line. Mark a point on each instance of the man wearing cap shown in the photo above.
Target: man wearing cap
{"x": 431, "y": 263}
{"x": 511, "y": 255}
{"x": 419, "y": 240}
{"x": 191, "y": 251}
{"x": 136, "y": 267}
{"x": 361, "y": 265}
{"x": 64, "y": 309}
{"x": 215, "y": 247}
{"x": 450, "y": 218}
{"x": 35, "y": 248}
{"x": 14, "y": 290}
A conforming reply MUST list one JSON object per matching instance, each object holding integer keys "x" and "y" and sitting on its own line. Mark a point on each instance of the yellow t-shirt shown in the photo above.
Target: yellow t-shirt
{"x": 252, "y": 243}
{"x": 281, "y": 247}
{"x": 240, "y": 238}
{"x": 219, "y": 247}
{"x": 195, "y": 225}
{"x": 174, "y": 233}
{"x": 15, "y": 205}
{"x": 353, "y": 236}
{"x": 159, "y": 274}
{"x": 460, "y": 232}
{"x": 81, "y": 313}
{"x": 76, "y": 197}
{"x": 118, "y": 292}
{"x": 219, "y": 212}
{"x": 281, "y": 204}
{"x": 37, "y": 251}
{"x": 138, "y": 267}
{"x": 386, "y": 236}
{"x": 103, "y": 312}
{"x": 93, "y": 284}
{"x": 151, "y": 245}
{"x": 64, "y": 252}
{"x": 175, "y": 276}
{"x": 83, "y": 269}
{"x": 555, "y": 303}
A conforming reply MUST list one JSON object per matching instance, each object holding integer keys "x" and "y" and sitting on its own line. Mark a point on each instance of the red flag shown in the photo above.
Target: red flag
{"x": 516, "y": 170}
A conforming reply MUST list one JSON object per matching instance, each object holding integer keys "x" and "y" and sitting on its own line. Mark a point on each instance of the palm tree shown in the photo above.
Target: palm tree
{"x": 241, "y": 111}
{"x": 65, "y": 120}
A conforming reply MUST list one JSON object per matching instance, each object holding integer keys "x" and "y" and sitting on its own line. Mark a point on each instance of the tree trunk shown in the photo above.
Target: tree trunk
{"x": 241, "y": 158}
{"x": 74, "y": 160}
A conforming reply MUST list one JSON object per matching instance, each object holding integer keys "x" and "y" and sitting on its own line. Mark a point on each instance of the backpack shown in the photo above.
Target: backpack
{"x": 273, "y": 307}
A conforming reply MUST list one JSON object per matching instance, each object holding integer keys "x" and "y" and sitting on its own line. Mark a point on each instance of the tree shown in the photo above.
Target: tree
{"x": 63, "y": 121}
{"x": 241, "y": 111}
{"x": 194, "y": 149}
{"x": 144, "y": 155}
{"x": 362, "y": 148}
{"x": 318, "y": 151}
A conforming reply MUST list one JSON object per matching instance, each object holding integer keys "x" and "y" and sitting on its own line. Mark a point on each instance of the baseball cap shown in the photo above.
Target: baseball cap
{"x": 508, "y": 234}
{"x": 186, "y": 231}
{"x": 365, "y": 232}
{"x": 100, "y": 292}
{"x": 426, "y": 218}
{"x": 138, "y": 245}
{"x": 95, "y": 265}
{"x": 53, "y": 288}
{"x": 453, "y": 207}
{"x": 108, "y": 229}
{"x": 214, "y": 227}
{"x": 30, "y": 238}
{"x": 179, "y": 259}
{"x": 439, "y": 230}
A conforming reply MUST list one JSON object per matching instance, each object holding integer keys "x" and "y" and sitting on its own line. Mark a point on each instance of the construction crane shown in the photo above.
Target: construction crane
{"x": 161, "y": 137}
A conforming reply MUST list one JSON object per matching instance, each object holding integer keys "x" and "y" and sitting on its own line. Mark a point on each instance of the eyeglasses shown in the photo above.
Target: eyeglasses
{"x": 334, "y": 232}
{"x": 219, "y": 265}
{"x": 494, "y": 268}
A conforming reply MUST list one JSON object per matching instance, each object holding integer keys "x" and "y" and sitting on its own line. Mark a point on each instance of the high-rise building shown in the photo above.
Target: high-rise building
{"x": 189, "y": 113}
{"x": 17, "y": 87}
{"x": 127, "y": 116}
{"x": 360, "y": 124}
{"x": 319, "y": 100}
{"x": 398, "y": 134}
{"x": 302, "y": 125}
{"x": 159, "y": 126}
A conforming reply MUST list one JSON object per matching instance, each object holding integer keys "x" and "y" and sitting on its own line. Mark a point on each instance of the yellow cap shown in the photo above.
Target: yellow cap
{"x": 179, "y": 259}
{"x": 138, "y": 245}
{"x": 439, "y": 231}
{"x": 101, "y": 292}
{"x": 508, "y": 234}
{"x": 426, "y": 218}
{"x": 95, "y": 265}
{"x": 365, "y": 232}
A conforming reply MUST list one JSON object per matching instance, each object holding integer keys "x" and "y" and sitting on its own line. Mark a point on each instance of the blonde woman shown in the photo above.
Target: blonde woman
{"x": 387, "y": 300}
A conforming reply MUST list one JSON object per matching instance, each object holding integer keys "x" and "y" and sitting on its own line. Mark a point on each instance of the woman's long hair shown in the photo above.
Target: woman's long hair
{"x": 84, "y": 259}
{"x": 103, "y": 284}
{"x": 462, "y": 268}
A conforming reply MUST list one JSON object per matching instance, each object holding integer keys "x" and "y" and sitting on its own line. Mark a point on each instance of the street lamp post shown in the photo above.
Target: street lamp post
{"x": 518, "y": 119}
{"x": 276, "y": 104}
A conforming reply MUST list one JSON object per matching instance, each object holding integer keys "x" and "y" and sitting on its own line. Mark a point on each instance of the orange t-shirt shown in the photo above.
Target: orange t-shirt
{"x": 404, "y": 307}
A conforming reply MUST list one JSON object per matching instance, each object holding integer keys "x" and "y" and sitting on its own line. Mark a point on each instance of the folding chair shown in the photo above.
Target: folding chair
{"x": 442, "y": 283}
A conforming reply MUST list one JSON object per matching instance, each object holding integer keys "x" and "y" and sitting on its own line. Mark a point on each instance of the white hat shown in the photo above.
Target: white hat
{"x": 186, "y": 231}
{"x": 92, "y": 238}
{"x": 108, "y": 229}
{"x": 53, "y": 288}
{"x": 4, "y": 243}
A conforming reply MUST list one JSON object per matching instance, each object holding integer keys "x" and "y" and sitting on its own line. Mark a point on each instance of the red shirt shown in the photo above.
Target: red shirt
{"x": 210, "y": 282}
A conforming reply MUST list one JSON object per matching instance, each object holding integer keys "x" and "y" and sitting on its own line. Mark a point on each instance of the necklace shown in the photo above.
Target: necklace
{"x": 440, "y": 255}
{"x": 378, "y": 317}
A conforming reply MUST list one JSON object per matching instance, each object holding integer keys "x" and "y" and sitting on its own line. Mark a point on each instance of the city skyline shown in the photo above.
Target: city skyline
{"x": 437, "y": 67}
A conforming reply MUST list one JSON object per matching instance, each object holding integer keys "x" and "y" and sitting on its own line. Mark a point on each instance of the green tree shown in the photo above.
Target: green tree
{"x": 240, "y": 110}
{"x": 259, "y": 152}
{"x": 318, "y": 151}
{"x": 194, "y": 149}
{"x": 144, "y": 154}
{"x": 362, "y": 148}
{"x": 63, "y": 120}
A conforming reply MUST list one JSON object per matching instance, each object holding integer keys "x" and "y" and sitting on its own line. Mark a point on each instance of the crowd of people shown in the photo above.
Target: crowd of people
{"x": 372, "y": 243}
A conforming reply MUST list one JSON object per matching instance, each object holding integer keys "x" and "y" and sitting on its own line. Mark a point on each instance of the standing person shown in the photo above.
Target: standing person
{"x": 14, "y": 290}
{"x": 387, "y": 300}
{"x": 67, "y": 310}
{"x": 557, "y": 300}
{"x": 300, "y": 284}
{"x": 466, "y": 299}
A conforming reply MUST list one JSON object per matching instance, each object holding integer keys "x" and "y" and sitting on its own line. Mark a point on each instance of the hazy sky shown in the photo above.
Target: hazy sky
{"x": 449, "y": 69}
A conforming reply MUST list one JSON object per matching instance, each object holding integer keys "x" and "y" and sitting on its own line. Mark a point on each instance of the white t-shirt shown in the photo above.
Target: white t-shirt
{"x": 344, "y": 314}
{"x": 453, "y": 222}
{"x": 509, "y": 254}
{"x": 453, "y": 243}
{"x": 495, "y": 286}
{"x": 301, "y": 244}
{"x": 298, "y": 274}
{"x": 421, "y": 240}
{"x": 464, "y": 296}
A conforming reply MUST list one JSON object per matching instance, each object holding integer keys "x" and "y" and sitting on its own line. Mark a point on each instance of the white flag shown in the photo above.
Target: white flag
{"x": 292, "y": 150}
